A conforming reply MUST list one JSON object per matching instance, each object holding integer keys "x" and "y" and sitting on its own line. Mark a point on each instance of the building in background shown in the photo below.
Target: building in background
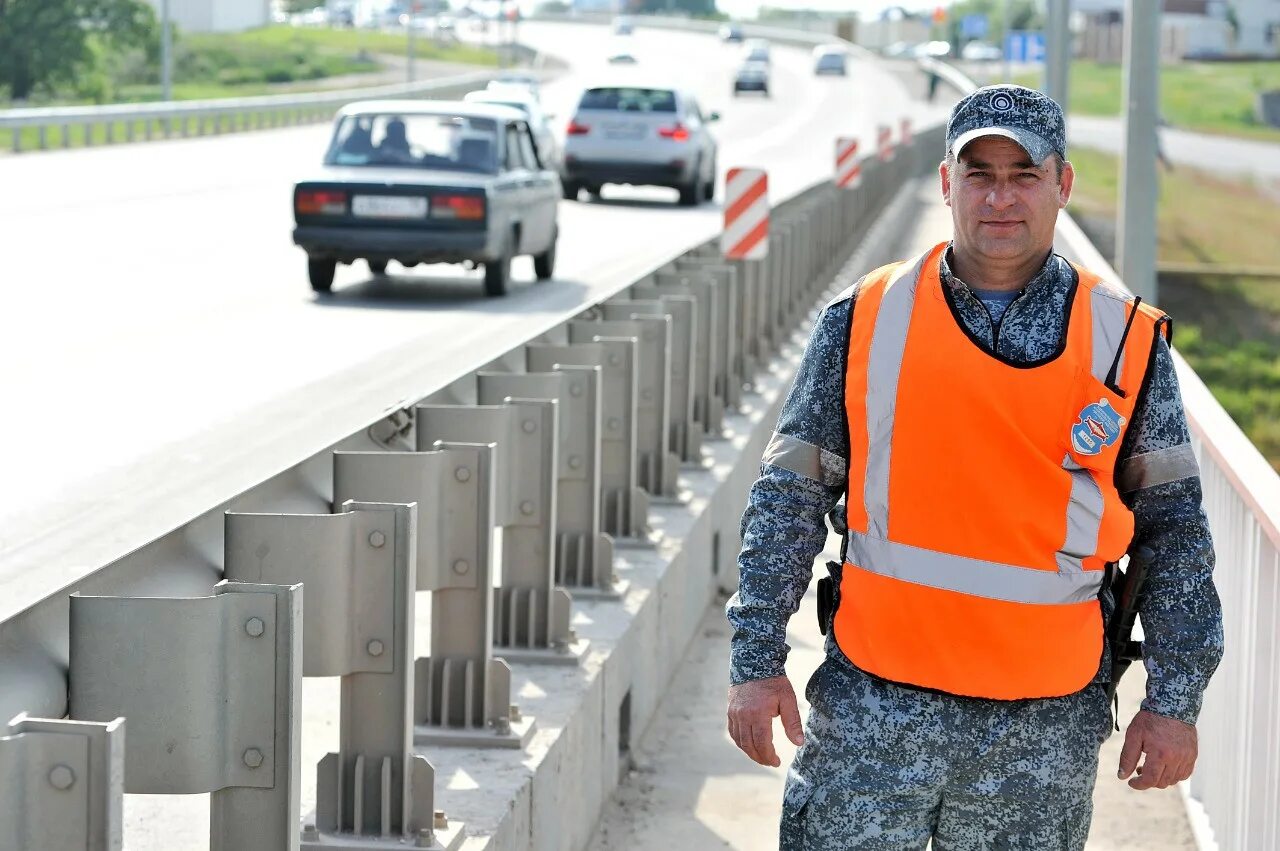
{"x": 204, "y": 16}
{"x": 1188, "y": 29}
{"x": 1259, "y": 26}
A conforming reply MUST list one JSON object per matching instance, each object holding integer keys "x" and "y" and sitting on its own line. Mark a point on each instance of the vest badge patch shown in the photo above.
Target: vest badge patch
{"x": 1097, "y": 428}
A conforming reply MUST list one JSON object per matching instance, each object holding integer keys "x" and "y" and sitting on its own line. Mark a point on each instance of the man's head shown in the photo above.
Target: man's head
{"x": 1006, "y": 174}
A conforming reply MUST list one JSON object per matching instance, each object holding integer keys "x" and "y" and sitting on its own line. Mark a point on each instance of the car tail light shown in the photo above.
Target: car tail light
{"x": 679, "y": 133}
{"x": 325, "y": 202}
{"x": 576, "y": 129}
{"x": 466, "y": 207}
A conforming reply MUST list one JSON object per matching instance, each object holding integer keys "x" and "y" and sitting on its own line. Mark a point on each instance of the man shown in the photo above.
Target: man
{"x": 1002, "y": 426}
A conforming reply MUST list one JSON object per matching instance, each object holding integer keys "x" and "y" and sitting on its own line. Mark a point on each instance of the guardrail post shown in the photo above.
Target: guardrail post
{"x": 359, "y": 571}
{"x": 708, "y": 392}
{"x": 62, "y": 784}
{"x": 584, "y": 553}
{"x": 657, "y": 469}
{"x": 210, "y": 687}
{"x": 685, "y": 435}
{"x": 530, "y": 614}
{"x": 462, "y": 694}
{"x": 624, "y": 506}
{"x": 42, "y": 137}
{"x": 730, "y": 321}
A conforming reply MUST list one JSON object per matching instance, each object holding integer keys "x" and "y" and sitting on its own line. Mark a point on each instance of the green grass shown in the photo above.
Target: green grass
{"x": 1212, "y": 97}
{"x": 1227, "y": 327}
{"x": 354, "y": 41}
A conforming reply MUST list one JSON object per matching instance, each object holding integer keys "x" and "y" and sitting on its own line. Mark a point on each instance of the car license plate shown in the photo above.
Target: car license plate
{"x": 624, "y": 131}
{"x": 388, "y": 207}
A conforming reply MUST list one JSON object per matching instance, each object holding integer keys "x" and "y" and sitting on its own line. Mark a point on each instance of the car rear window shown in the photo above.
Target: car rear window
{"x": 444, "y": 142}
{"x": 629, "y": 100}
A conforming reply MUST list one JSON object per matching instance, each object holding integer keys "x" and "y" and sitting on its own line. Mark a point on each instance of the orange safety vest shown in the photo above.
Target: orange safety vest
{"x": 982, "y": 504}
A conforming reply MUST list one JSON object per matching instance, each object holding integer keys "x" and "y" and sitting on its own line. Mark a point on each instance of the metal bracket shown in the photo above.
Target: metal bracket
{"x": 657, "y": 470}
{"x": 686, "y": 428}
{"x": 730, "y": 313}
{"x": 62, "y": 785}
{"x": 584, "y": 553}
{"x": 462, "y": 695}
{"x": 625, "y": 506}
{"x": 211, "y": 688}
{"x": 359, "y": 571}
{"x": 531, "y": 615}
{"x": 707, "y": 393}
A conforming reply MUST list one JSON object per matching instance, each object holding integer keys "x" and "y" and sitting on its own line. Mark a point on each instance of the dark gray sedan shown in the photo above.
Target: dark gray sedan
{"x": 429, "y": 182}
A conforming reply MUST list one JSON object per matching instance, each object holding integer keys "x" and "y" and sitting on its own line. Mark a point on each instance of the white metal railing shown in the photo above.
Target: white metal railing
{"x": 1233, "y": 799}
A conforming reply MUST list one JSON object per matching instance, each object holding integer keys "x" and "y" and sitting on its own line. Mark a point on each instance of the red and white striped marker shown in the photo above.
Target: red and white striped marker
{"x": 746, "y": 214}
{"x": 848, "y": 169}
{"x": 906, "y": 131}
{"x": 884, "y": 144}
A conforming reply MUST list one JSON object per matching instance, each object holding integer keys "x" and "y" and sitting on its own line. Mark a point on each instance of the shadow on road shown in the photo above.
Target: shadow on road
{"x": 432, "y": 293}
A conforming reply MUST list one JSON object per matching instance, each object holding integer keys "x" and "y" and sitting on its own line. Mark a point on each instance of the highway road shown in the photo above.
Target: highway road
{"x": 161, "y": 345}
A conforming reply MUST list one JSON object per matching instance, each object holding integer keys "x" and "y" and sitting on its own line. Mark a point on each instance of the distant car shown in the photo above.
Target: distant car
{"x": 934, "y": 49}
{"x": 730, "y": 33}
{"x": 756, "y": 50}
{"x": 899, "y": 50}
{"x": 419, "y": 181}
{"x": 980, "y": 51}
{"x": 623, "y": 26}
{"x": 518, "y": 79}
{"x": 622, "y": 56}
{"x": 830, "y": 59}
{"x": 519, "y": 97}
{"x": 752, "y": 77}
{"x": 640, "y": 136}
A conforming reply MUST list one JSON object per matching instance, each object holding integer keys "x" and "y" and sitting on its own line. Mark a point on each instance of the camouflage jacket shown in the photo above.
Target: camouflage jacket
{"x": 803, "y": 477}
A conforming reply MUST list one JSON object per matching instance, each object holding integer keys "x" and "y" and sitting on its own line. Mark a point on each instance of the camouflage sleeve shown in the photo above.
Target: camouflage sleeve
{"x": 802, "y": 477}
{"x": 1181, "y": 613}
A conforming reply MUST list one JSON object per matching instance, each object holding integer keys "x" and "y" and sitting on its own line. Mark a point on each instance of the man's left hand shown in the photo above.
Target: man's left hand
{"x": 1170, "y": 746}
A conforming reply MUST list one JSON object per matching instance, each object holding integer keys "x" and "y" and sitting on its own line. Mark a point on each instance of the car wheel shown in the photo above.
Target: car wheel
{"x": 321, "y": 274}
{"x": 709, "y": 189}
{"x": 377, "y": 267}
{"x": 497, "y": 273}
{"x": 570, "y": 190}
{"x": 544, "y": 265}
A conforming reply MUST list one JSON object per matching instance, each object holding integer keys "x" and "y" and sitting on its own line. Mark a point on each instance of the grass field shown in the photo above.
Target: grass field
{"x": 1212, "y": 97}
{"x": 1227, "y": 327}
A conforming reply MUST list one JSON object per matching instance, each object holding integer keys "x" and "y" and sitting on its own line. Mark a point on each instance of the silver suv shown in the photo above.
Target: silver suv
{"x": 640, "y": 136}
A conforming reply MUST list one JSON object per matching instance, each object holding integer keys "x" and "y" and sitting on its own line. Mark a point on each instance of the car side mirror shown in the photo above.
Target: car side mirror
{"x": 714, "y": 116}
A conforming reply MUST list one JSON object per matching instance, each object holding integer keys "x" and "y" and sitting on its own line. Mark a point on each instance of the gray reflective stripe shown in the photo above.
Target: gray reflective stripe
{"x": 977, "y": 578}
{"x": 1157, "y": 468}
{"x": 1110, "y": 312}
{"x": 884, "y": 365}
{"x": 805, "y": 459}
{"x": 1084, "y": 517}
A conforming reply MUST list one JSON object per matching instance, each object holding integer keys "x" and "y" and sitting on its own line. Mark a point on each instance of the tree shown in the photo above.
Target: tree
{"x": 1023, "y": 15}
{"x": 678, "y": 7}
{"x": 44, "y": 43}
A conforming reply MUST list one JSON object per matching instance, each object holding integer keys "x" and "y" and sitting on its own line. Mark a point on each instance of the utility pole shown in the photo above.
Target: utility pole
{"x": 1136, "y": 232}
{"x": 166, "y": 53}
{"x": 1004, "y": 40}
{"x": 1058, "y": 50}
{"x": 409, "y": 45}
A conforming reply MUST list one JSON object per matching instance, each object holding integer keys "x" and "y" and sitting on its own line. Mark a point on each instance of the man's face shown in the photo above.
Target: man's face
{"x": 1003, "y": 206}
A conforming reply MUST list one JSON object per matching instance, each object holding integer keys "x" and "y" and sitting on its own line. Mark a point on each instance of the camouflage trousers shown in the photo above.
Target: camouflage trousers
{"x": 886, "y": 767}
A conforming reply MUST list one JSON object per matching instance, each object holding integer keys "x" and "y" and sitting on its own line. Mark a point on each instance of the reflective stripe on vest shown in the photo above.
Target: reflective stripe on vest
{"x": 893, "y": 471}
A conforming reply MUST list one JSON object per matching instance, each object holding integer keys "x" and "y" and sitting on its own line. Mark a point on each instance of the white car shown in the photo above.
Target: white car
{"x": 640, "y": 135}
{"x": 980, "y": 51}
{"x": 539, "y": 120}
{"x": 756, "y": 50}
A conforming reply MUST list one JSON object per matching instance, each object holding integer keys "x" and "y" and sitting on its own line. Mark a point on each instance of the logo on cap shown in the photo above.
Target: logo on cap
{"x": 1002, "y": 101}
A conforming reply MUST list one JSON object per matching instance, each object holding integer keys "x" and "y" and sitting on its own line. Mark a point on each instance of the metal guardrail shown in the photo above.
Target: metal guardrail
{"x": 128, "y": 122}
{"x": 1231, "y": 798}
{"x": 562, "y": 444}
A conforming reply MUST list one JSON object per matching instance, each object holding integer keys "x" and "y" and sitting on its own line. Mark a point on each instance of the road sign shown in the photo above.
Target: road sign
{"x": 746, "y": 214}
{"x": 848, "y": 169}
{"x": 1024, "y": 46}
{"x": 973, "y": 26}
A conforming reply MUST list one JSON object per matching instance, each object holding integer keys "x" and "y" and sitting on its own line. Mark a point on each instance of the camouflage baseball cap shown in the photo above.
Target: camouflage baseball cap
{"x": 1031, "y": 119}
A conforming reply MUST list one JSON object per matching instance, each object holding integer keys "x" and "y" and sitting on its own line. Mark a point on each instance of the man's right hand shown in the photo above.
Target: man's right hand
{"x": 753, "y": 706}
